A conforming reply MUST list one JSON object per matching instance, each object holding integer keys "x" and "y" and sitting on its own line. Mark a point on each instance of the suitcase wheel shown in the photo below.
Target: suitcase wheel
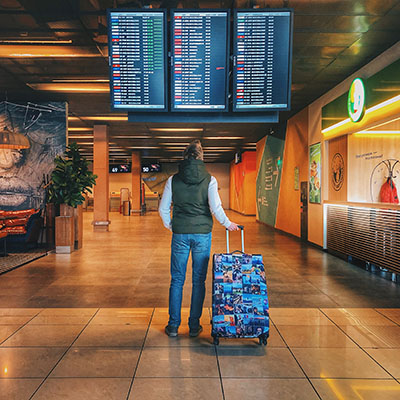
{"x": 262, "y": 340}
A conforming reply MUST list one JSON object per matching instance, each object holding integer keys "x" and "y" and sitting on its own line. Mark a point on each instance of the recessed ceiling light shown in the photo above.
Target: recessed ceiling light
{"x": 71, "y": 87}
{"x": 100, "y": 118}
{"x": 80, "y": 129}
{"x": 32, "y": 41}
{"x": 179, "y": 137}
{"x": 176, "y": 129}
{"x": 143, "y": 147}
{"x": 174, "y": 144}
{"x": 132, "y": 137}
{"x": 224, "y": 137}
{"x": 80, "y": 80}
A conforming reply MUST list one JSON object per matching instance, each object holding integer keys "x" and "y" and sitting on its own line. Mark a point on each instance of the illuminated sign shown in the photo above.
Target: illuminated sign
{"x": 356, "y": 100}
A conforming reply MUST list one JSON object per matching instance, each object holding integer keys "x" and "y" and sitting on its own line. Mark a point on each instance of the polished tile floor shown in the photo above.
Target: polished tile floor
{"x": 123, "y": 353}
{"x": 90, "y": 325}
{"x": 129, "y": 267}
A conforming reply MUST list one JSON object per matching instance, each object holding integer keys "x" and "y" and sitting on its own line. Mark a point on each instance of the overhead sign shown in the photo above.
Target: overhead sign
{"x": 356, "y": 100}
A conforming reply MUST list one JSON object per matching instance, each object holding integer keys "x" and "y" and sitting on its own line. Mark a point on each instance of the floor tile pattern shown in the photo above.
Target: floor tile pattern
{"x": 124, "y": 354}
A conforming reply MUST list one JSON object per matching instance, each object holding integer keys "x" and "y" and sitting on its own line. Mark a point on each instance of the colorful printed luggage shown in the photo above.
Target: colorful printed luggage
{"x": 240, "y": 301}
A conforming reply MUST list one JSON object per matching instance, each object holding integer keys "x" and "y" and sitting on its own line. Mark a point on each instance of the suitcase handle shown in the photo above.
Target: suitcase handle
{"x": 241, "y": 227}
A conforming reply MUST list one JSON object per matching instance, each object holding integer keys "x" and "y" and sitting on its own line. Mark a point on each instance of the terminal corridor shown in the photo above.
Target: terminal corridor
{"x": 90, "y": 325}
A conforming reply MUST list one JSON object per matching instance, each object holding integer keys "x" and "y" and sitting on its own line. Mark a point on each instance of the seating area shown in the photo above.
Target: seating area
{"x": 20, "y": 229}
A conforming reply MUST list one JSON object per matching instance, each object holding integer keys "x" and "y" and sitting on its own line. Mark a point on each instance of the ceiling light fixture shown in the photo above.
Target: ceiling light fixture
{"x": 78, "y": 129}
{"x": 80, "y": 80}
{"x": 32, "y": 41}
{"x": 99, "y": 118}
{"x": 176, "y": 129}
{"x": 52, "y": 51}
{"x": 71, "y": 88}
{"x": 132, "y": 137}
{"x": 143, "y": 147}
{"x": 174, "y": 137}
{"x": 224, "y": 137}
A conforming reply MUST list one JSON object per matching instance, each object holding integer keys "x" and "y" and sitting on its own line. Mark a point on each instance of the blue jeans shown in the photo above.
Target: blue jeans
{"x": 181, "y": 245}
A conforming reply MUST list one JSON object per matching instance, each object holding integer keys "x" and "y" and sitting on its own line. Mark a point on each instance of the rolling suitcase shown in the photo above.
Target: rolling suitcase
{"x": 239, "y": 301}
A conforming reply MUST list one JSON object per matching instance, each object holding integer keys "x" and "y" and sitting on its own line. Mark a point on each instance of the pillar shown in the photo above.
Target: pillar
{"x": 100, "y": 168}
{"x": 136, "y": 181}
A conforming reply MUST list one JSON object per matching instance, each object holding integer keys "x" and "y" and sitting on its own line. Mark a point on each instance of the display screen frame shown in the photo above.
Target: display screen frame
{"x": 227, "y": 57}
{"x": 234, "y": 53}
{"x": 145, "y": 108}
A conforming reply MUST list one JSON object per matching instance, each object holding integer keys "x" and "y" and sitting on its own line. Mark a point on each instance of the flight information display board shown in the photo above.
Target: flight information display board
{"x": 199, "y": 48}
{"x": 137, "y": 53}
{"x": 262, "y": 60}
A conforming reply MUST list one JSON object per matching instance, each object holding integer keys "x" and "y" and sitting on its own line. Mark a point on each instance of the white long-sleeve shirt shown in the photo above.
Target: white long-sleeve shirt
{"x": 214, "y": 202}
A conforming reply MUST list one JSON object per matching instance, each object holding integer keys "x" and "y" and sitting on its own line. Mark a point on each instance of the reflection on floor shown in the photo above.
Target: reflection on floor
{"x": 129, "y": 267}
{"x": 65, "y": 335}
{"x": 120, "y": 353}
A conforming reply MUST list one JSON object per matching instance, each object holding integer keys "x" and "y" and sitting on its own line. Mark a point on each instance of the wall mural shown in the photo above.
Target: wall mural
{"x": 22, "y": 171}
{"x": 315, "y": 173}
{"x": 269, "y": 180}
{"x": 384, "y": 182}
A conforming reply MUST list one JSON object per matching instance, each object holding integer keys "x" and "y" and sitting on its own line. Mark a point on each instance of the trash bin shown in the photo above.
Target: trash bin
{"x": 126, "y": 207}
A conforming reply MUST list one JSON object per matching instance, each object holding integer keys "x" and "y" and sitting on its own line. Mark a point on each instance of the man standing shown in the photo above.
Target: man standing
{"x": 194, "y": 195}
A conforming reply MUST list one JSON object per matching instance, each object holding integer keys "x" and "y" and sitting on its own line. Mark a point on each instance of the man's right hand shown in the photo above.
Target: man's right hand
{"x": 233, "y": 227}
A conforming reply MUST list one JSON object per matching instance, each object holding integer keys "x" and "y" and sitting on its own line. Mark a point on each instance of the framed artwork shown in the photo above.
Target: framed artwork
{"x": 315, "y": 173}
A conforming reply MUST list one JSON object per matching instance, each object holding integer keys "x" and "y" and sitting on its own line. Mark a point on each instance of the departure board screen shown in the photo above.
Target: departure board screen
{"x": 200, "y": 44}
{"x": 262, "y": 60}
{"x": 137, "y": 53}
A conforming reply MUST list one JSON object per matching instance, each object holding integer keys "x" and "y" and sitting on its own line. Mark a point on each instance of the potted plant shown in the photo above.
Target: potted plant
{"x": 70, "y": 180}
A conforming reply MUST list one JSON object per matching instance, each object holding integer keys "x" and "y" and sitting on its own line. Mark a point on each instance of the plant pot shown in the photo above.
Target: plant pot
{"x": 77, "y": 214}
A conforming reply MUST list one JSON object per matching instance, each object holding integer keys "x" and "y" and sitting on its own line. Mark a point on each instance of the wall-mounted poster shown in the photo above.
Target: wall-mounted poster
{"x": 296, "y": 178}
{"x": 315, "y": 173}
{"x": 22, "y": 171}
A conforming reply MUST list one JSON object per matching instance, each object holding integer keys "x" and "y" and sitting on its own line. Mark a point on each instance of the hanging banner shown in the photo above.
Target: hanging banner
{"x": 269, "y": 180}
{"x": 315, "y": 173}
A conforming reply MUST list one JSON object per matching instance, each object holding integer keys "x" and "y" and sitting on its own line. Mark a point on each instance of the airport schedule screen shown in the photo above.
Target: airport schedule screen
{"x": 262, "y": 45}
{"x": 199, "y": 47}
{"x": 137, "y": 53}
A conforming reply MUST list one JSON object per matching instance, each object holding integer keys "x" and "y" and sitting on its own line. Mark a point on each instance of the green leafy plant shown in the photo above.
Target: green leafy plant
{"x": 70, "y": 178}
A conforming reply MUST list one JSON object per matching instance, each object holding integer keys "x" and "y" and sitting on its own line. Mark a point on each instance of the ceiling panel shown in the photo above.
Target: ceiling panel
{"x": 332, "y": 38}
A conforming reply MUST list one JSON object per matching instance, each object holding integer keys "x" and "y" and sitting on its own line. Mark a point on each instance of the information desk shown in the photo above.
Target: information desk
{"x": 367, "y": 231}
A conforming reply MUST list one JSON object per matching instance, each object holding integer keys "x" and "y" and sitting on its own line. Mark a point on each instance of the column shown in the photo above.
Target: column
{"x": 100, "y": 168}
{"x": 136, "y": 181}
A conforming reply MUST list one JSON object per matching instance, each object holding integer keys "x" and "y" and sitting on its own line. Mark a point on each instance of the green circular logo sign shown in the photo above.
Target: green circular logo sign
{"x": 356, "y": 100}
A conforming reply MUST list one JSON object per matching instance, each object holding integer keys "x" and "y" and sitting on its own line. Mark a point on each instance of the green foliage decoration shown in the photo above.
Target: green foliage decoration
{"x": 70, "y": 178}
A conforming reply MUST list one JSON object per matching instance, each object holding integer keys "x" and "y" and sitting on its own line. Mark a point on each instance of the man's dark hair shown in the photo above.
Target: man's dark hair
{"x": 193, "y": 151}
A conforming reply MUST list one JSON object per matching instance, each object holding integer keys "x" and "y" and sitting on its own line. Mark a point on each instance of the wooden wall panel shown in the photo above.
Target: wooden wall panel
{"x": 295, "y": 155}
{"x": 365, "y": 153}
{"x": 243, "y": 184}
{"x": 338, "y": 169}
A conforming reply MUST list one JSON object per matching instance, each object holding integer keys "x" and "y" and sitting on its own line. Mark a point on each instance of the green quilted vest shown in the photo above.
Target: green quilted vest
{"x": 191, "y": 212}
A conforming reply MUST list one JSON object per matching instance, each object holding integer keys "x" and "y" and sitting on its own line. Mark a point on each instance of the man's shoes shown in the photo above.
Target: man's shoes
{"x": 193, "y": 332}
{"x": 171, "y": 331}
